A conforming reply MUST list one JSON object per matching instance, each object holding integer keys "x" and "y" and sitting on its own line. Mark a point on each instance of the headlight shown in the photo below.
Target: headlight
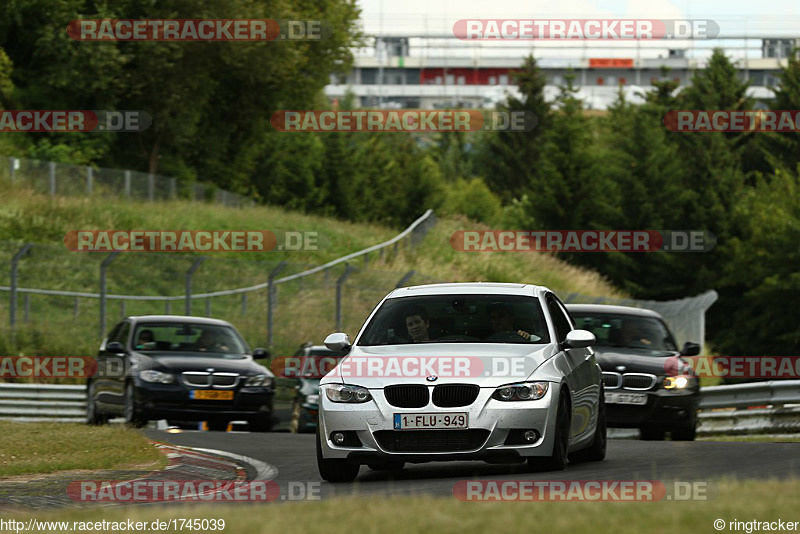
{"x": 676, "y": 382}
{"x": 157, "y": 377}
{"x": 524, "y": 391}
{"x": 312, "y": 399}
{"x": 340, "y": 393}
{"x": 258, "y": 381}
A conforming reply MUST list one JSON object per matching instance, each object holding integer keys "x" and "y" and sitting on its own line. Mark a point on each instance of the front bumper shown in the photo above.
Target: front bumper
{"x": 665, "y": 409}
{"x": 172, "y": 401}
{"x": 491, "y": 423}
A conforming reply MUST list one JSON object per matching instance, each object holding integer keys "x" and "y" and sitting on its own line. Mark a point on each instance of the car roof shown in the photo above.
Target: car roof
{"x": 469, "y": 288}
{"x": 178, "y": 319}
{"x": 608, "y": 308}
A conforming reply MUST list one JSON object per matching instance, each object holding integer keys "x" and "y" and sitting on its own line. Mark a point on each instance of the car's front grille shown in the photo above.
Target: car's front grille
{"x": 205, "y": 379}
{"x": 455, "y": 395}
{"x": 410, "y": 396}
{"x": 431, "y": 440}
{"x": 612, "y": 380}
{"x": 638, "y": 381}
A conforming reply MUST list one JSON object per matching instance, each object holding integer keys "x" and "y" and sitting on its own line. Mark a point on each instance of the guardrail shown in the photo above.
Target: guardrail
{"x": 67, "y": 403}
{"x": 42, "y": 402}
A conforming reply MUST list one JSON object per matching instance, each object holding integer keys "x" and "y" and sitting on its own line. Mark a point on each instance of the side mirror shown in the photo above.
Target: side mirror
{"x": 338, "y": 341}
{"x": 115, "y": 347}
{"x": 261, "y": 354}
{"x": 690, "y": 349}
{"x": 579, "y": 339}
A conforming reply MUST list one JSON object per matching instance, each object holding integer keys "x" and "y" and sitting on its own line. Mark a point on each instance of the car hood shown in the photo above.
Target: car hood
{"x": 485, "y": 364}
{"x": 634, "y": 360}
{"x": 198, "y": 361}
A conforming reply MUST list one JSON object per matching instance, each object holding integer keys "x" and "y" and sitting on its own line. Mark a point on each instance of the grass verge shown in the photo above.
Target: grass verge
{"x": 40, "y": 448}
{"x": 735, "y": 500}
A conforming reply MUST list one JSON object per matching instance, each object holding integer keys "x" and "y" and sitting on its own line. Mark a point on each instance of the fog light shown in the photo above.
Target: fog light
{"x": 338, "y": 438}
{"x": 530, "y": 436}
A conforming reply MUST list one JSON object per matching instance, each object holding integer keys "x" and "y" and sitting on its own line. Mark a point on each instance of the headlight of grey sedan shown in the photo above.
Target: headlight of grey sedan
{"x": 345, "y": 393}
{"x": 524, "y": 391}
{"x": 258, "y": 381}
{"x": 156, "y": 377}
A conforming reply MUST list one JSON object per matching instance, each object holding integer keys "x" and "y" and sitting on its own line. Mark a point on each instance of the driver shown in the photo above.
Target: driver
{"x": 635, "y": 335}
{"x": 211, "y": 340}
{"x": 502, "y": 319}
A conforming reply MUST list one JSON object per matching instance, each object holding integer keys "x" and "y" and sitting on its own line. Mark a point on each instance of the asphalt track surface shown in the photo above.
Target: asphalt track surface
{"x": 294, "y": 457}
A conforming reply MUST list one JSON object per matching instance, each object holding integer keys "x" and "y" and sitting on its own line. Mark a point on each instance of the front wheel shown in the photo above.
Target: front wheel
{"x": 93, "y": 416}
{"x": 132, "y": 414}
{"x": 597, "y": 451}
{"x": 558, "y": 460}
{"x": 335, "y": 470}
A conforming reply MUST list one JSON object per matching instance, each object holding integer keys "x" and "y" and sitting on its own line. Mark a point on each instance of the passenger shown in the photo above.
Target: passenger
{"x": 146, "y": 340}
{"x": 417, "y": 324}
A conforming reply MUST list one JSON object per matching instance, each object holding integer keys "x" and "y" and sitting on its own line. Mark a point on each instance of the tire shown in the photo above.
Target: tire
{"x": 294, "y": 425}
{"x": 132, "y": 415}
{"x": 558, "y": 460}
{"x": 684, "y": 434}
{"x": 335, "y": 470}
{"x": 597, "y": 450}
{"x": 387, "y": 466}
{"x": 652, "y": 434}
{"x": 93, "y": 416}
{"x": 217, "y": 426}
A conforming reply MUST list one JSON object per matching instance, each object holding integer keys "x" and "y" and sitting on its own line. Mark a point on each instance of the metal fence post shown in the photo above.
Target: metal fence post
{"x": 52, "y": 175}
{"x": 189, "y": 274}
{"x": 75, "y": 309}
{"x": 406, "y": 278}
{"x": 173, "y": 188}
{"x": 103, "y": 268}
{"x": 271, "y": 298}
{"x": 12, "y": 316}
{"x": 89, "y": 180}
{"x": 27, "y": 307}
{"x": 339, "y": 283}
{"x": 12, "y": 168}
{"x": 128, "y": 184}
{"x": 208, "y": 306}
{"x": 244, "y": 303}
{"x": 168, "y": 308}
{"x": 122, "y": 309}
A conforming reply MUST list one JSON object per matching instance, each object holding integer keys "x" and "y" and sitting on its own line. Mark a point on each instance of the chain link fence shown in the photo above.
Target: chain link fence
{"x": 64, "y": 179}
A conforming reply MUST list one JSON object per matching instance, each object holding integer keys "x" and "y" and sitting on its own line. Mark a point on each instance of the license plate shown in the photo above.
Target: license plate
{"x": 428, "y": 421}
{"x": 210, "y": 394}
{"x": 626, "y": 398}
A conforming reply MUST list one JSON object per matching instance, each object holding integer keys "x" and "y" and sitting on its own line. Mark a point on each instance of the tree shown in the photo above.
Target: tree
{"x": 510, "y": 160}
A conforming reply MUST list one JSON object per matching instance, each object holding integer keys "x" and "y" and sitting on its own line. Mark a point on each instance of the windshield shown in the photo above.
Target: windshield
{"x": 457, "y": 319}
{"x": 188, "y": 337}
{"x": 628, "y": 331}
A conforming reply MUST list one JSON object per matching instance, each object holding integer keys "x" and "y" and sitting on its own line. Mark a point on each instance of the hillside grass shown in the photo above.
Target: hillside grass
{"x": 304, "y": 309}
